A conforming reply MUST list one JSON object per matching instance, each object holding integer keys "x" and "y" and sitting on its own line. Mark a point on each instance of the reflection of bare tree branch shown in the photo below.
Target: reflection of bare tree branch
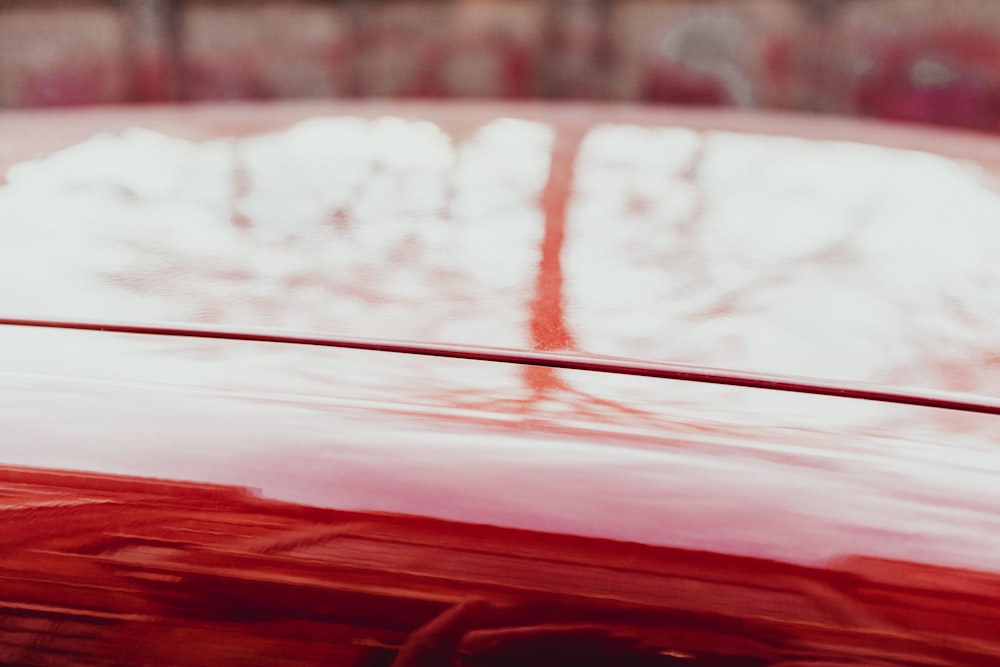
{"x": 689, "y": 259}
{"x": 687, "y": 226}
{"x": 841, "y": 252}
{"x": 548, "y": 318}
{"x": 548, "y": 321}
{"x": 548, "y": 326}
{"x": 549, "y": 329}
{"x": 241, "y": 188}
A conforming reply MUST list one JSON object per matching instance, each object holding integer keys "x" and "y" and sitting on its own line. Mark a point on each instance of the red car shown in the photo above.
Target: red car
{"x": 364, "y": 384}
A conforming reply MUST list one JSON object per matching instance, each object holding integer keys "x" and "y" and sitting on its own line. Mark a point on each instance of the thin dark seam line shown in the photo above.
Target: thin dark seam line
{"x": 560, "y": 360}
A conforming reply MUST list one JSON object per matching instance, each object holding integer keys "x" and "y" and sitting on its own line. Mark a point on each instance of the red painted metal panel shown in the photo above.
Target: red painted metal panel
{"x": 722, "y": 523}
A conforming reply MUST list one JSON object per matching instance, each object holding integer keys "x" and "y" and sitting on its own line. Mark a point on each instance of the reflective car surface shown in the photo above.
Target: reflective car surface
{"x": 413, "y": 384}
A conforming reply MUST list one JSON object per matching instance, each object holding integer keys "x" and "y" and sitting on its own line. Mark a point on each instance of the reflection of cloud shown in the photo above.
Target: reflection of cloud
{"x": 810, "y": 257}
{"x": 370, "y": 227}
{"x": 67, "y": 219}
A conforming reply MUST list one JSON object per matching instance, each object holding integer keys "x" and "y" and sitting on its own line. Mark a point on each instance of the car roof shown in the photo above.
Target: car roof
{"x": 654, "y": 236}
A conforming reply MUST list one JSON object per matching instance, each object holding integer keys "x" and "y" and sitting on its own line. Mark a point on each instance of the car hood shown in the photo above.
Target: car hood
{"x": 705, "y": 238}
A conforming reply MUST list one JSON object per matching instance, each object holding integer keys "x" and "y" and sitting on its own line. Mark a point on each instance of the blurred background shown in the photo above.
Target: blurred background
{"x": 931, "y": 61}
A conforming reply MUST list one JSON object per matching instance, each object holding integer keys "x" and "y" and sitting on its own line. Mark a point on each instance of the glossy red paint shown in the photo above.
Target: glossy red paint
{"x": 199, "y": 572}
{"x": 719, "y": 525}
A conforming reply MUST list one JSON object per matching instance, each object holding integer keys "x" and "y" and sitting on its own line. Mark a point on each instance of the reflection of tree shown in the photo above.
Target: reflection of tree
{"x": 548, "y": 324}
{"x": 548, "y": 320}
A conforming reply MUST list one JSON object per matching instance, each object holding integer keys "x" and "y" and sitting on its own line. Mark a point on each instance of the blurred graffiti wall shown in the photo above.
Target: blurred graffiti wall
{"x": 934, "y": 61}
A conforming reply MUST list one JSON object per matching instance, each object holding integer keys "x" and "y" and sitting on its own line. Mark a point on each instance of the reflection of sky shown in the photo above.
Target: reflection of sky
{"x": 822, "y": 258}
{"x": 326, "y": 226}
{"x": 818, "y": 258}
{"x": 810, "y": 257}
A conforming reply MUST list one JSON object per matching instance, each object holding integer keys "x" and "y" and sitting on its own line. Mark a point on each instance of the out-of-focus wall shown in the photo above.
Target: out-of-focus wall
{"x": 61, "y": 53}
{"x": 925, "y": 60}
